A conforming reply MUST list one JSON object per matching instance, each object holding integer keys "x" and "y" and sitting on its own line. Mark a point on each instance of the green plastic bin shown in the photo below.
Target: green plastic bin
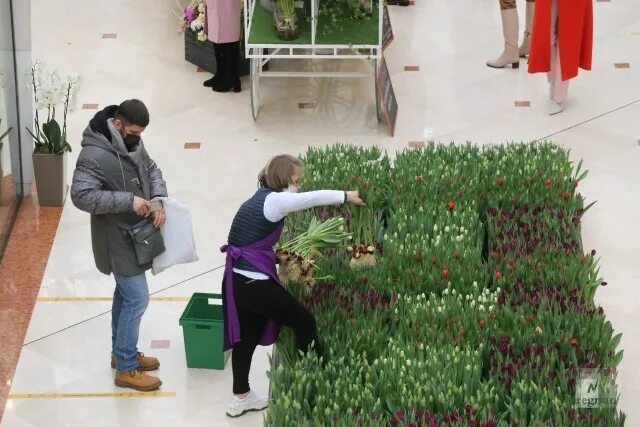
{"x": 203, "y": 330}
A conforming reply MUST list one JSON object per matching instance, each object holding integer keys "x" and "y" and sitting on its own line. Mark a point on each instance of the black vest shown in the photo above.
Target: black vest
{"x": 250, "y": 225}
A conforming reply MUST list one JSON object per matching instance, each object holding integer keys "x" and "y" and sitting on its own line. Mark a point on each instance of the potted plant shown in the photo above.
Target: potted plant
{"x": 51, "y": 145}
{"x": 358, "y": 9}
{"x": 339, "y": 13}
{"x": 285, "y": 20}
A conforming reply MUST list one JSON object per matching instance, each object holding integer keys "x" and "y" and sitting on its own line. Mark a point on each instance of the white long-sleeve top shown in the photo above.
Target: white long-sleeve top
{"x": 278, "y": 205}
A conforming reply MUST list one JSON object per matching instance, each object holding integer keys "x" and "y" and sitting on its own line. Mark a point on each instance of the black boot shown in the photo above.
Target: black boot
{"x": 234, "y": 61}
{"x": 217, "y": 48}
{"x": 230, "y": 57}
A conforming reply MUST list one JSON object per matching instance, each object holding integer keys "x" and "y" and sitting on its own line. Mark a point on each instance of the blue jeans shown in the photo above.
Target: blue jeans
{"x": 130, "y": 301}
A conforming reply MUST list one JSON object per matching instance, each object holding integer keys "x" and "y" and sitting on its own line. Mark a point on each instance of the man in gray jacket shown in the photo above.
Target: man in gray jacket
{"x": 115, "y": 181}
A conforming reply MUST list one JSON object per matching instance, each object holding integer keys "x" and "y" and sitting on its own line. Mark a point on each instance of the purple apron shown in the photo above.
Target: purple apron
{"x": 261, "y": 256}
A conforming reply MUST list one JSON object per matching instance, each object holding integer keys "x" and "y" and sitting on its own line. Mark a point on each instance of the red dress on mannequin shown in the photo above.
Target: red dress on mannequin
{"x": 575, "y": 37}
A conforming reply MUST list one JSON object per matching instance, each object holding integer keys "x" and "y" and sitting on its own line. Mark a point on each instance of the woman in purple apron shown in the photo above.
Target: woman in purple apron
{"x": 255, "y": 302}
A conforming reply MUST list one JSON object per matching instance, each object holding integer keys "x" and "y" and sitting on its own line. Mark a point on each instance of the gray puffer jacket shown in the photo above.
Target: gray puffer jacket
{"x": 106, "y": 178}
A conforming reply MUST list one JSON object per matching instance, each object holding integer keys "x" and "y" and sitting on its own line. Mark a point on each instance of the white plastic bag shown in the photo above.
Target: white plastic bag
{"x": 177, "y": 232}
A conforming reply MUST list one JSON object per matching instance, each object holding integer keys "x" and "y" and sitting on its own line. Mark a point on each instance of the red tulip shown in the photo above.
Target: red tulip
{"x": 451, "y": 205}
{"x": 445, "y": 273}
{"x": 498, "y": 275}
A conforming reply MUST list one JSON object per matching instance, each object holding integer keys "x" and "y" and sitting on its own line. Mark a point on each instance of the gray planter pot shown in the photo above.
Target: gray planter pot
{"x": 51, "y": 178}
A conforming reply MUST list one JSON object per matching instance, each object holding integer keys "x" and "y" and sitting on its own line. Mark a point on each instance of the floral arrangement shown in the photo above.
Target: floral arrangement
{"x": 51, "y": 90}
{"x": 479, "y": 310}
{"x": 194, "y": 19}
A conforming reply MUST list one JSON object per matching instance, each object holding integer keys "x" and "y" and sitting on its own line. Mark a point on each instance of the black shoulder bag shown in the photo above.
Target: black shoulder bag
{"x": 147, "y": 241}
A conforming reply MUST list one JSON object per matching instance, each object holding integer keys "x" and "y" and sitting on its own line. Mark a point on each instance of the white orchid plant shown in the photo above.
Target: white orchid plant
{"x": 51, "y": 90}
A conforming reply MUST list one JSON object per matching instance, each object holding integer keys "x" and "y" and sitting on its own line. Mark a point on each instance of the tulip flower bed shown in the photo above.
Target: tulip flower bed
{"x": 349, "y": 167}
{"x": 479, "y": 309}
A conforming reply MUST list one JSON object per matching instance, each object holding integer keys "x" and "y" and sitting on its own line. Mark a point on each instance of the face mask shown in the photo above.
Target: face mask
{"x": 128, "y": 139}
{"x": 291, "y": 189}
{"x": 131, "y": 140}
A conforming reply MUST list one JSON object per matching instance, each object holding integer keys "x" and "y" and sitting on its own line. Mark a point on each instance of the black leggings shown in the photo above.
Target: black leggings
{"x": 257, "y": 301}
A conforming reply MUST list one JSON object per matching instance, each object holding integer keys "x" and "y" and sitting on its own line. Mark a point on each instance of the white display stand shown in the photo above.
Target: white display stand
{"x": 313, "y": 50}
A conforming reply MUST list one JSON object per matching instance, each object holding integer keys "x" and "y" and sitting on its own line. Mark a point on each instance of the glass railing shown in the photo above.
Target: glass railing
{"x": 10, "y": 160}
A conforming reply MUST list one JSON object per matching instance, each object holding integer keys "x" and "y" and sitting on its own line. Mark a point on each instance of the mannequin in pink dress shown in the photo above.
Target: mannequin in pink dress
{"x": 223, "y": 29}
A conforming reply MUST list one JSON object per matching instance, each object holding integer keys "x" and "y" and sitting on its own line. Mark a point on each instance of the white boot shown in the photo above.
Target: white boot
{"x": 252, "y": 402}
{"x": 554, "y": 107}
{"x": 524, "y": 47}
{"x": 510, "y": 55}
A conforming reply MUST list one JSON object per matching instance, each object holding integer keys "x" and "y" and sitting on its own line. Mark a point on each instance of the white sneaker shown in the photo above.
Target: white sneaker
{"x": 252, "y": 402}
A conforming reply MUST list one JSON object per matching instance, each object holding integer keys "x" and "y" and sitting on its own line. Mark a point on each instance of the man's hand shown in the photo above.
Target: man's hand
{"x": 159, "y": 218}
{"x": 140, "y": 206}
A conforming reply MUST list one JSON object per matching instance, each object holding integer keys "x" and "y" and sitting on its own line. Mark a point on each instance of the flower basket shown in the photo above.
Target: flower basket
{"x": 202, "y": 54}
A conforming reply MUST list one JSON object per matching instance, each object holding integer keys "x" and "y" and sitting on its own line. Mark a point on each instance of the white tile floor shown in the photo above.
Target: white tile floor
{"x": 454, "y": 97}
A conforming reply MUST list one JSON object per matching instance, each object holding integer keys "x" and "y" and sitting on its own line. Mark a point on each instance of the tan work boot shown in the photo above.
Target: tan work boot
{"x": 524, "y": 47}
{"x": 145, "y": 363}
{"x": 510, "y": 54}
{"x": 137, "y": 380}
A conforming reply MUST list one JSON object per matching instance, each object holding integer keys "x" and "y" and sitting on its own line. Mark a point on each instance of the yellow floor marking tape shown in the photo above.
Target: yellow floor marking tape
{"x": 99, "y": 299}
{"x": 122, "y": 394}
{"x": 171, "y": 299}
